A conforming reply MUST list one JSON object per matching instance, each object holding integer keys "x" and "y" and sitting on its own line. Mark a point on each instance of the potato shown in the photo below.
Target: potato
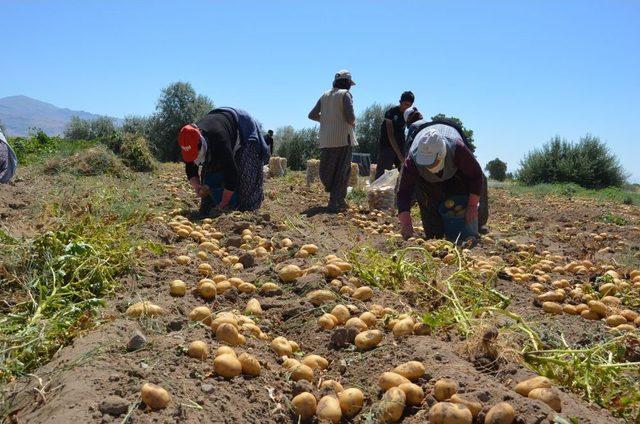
{"x": 342, "y": 313}
{"x": 311, "y": 248}
{"x": 155, "y": 397}
{"x": 474, "y": 407}
{"x": 581, "y": 307}
{"x": 250, "y": 365}
{"x": 390, "y": 379}
{"x": 449, "y": 413}
{"x": 569, "y": 309}
{"x": 333, "y": 385}
{"x": 552, "y": 308}
{"x": 403, "y": 327}
{"x": 333, "y": 271}
{"x": 301, "y": 372}
{"x": 227, "y": 366}
{"x": 144, "y": 308}
{"x": 548, "y": 396}
{"x": 625, "y": 327}
{"x": 227, "y": 333}
{"x": 368, "y": 339}
{"x": 205, "y": 269}
{"x": 319, "y": 297}
{"x": 177, "y": 288}
{"x": 501, "y": 413}
{"x": 328, "y": 410}
{"x": 183, "y": 260}
{"x": 392, "y": 405}
{"x": 615, "y": 320}
{"x": 327, "y": 321}
{"x": 246, "y": 288}
{"x": 207, "y": 290}
{"x": 304, "y": 405}
{"x": 254, "y": 307}
{"x": 351, "y": 401}
{"x": 524, "y": 387}
{"x": 607, "y": 289}
{"x": 370, "y": 319}
{"x": 598, "y": 307}
{"x": 198, "y": 349}
{"x": 551, "y": 296}
{"x": 611, "y": 300}
{"x": 281, "y": 346}
{"x": 629, "y": 315}
{"x": 315, "y": 362}
{"x": 269, "y": 288}
{"x": 289, "y": 273}
{"x": 363, "y": 293}
{"x": 444, "y": 389}
{"x": 411, "y": 370}
{"x": 421, "y": 329}
{"x": 225, "y": 350}
{"x": 294, "y": 346}
{"x": 222, "y": 318}
{"x": 223, "y": 286}
{"x": 356, "y": 323}
{"x": 413, "y": 392}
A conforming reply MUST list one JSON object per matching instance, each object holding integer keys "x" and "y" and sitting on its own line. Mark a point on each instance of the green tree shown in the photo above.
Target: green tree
{"x": 297, "y": 146}
{"x": 368, "y": 127}
{"x": 134, "y": 124}
{"x": 452, "y": 120}
{"x": 588, "y": 163}
{"x": 102, "y": 127}
{"x": 177, "y": 106}
{"x": 78, "y": 129}
{"x": 497, "y": 169}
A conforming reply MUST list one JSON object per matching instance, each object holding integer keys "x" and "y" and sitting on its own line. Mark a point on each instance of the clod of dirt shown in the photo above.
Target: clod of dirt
{"x": 234, "y": 241}
{"x": 301, "y": 386}
{"x": 247, "y": 260}
{"x": 308, "y": 283}
{"x": 240, "y": 226}
{"x": 207, "y": 388}
{"x": 231, "y": 294}
{"x": 137, "y": 341}
{"x": 114, "y": 406}
{"x": 342, "y": 337}
{"x": 175, "y": 325}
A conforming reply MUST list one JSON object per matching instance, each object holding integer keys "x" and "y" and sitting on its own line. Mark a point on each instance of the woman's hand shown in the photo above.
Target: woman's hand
{"x": 226, "y": 198}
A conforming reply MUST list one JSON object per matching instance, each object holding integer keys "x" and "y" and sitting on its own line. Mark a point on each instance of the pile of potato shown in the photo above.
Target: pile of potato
{"x": 381, "y": 199}
{"x": 343, "y": 403}
{"x": 229, "y": 327}
{"x": 277, "y": 166}
{"x": 313, "y": 171}
{"x": 453, "y": 210}
{"x": 540, "y": 388}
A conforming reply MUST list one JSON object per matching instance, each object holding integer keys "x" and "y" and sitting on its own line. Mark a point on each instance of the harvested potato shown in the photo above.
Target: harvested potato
{"x": 315, "y": 362}
{"x": 369, "y": 319}
{"x": 227, "y": 366}
{"x": 311, "y": 248}
{"x": 474, "y": 407}
{"x": 390, "y": 379}
{"x": 327, "y": 321}
{"x": 413, "y": 392}
{"x": 548, "y": 396}
{"x": 198, "y": 349}
{"x": 207, "y": 290}
{"x": 351, "y": 401}
{"x": 501, "y": 413}
{"x": 227, "y": 333}
{"x": 449, "y": 413}
{"x": 250, "y": 365}
{"x": 177, "y": 288}
{"x": 269, "y": 288}
{"x": 319, "y": 297}
{"x": 333, "y": 271}
{"x": 328, "y": 410}
{"x": 342, "y": 313}
{"x": 411, "y": 370}
{"x": 590, "y": 315}
{"x": 254, "y": 307}
{"x": 403, "y": 327}
{"x": 304, "y": 405}
{"x": 281, "y": 346}
{"x": 552, "y": 308}
{"x": 294, "y": 346}
{"x": 625, "y": 327}
{"x": 183, "y": 260}
{"x": 363, "y": 293}
{"x": 569, "y": 309}
{"x": 301, "y": 372}
{"x": 422, "y": 329}
{"x": 392, "y": 405}
{"x": 225, "y": 350}
{"x": 524, "y": 387}
{"x": 368, "y": 339}
{"x": 356, "y": 323}
{"x": 615, "y": 320}
{"x": 333, "y": 385}
{"x": 201, "y": 313}
{"x": 144, "y": 308}
{"x": 205, "y": 269}
{"x": 598, "y": 307}
{"x": 246, "y": 288}
{"x": 155, "y": 397}
{"x": 289, "y": 273}
{"x": 444, "y": 389}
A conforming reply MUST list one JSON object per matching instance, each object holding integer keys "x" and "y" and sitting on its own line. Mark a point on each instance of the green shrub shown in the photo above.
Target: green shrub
{"x": 29, "y": 149}
{"x": 588, "y": 163}
{"x": 297, "y": 146}
{"x": 136, "y": 154}
{"x": 96, "y": 160}
{"x": 497, "y": 170}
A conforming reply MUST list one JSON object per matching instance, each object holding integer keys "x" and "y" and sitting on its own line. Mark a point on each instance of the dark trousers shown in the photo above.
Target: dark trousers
{"x": 430, "y": 195}
{"x": 387, "y": 159}
{"x": 335, "y": 169}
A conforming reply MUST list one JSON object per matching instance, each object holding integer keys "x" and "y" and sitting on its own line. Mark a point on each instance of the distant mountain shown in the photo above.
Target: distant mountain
{"x": 20, "y": 113}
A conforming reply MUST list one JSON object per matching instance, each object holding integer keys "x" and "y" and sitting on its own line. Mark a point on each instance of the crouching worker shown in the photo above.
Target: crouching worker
{"x": 230, "y": 150}
{"x": 8, "y": 160}
{"x": 440, "y": 165}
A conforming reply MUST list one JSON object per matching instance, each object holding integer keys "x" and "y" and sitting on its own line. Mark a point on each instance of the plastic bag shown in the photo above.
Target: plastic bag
{"x": 381, "y": 194}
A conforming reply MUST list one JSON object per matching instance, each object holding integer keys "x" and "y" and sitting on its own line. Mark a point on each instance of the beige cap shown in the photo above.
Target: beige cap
{"x": 344, "y": 74}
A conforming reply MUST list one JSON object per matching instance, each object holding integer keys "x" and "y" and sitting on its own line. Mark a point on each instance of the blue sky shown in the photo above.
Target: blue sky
{"x": 517, "y": 72}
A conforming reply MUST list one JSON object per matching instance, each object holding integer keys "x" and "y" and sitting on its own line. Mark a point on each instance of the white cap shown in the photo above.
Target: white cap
{"x": 429, "y": 149}
{"x": 344, "y": 74}
{"x": 408, "y": 111}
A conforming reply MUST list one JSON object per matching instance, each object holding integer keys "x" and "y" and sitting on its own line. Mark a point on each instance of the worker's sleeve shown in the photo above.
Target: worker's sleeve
{"x": 408, "y": 178}
{"x": 191, "y": 169}
{"x": 470, "y": 168}
{"x": 347, "y": 102}
{"x": 229, "y": 169}
{"x": 314, "y": 115}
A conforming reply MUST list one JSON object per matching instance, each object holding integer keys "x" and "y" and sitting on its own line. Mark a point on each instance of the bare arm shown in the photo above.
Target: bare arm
{"x": 314, "y": 115}
{"x": 392, "y": 139}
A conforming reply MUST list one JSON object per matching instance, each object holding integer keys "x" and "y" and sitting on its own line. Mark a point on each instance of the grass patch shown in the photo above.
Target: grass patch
{"x": 357, "y": 196}
{"x": 611, "y": 218}
{"x": 568, "y": 190}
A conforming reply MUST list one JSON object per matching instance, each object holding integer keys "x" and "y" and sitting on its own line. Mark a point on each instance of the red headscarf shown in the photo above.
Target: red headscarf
{"x": 189, "y": 139}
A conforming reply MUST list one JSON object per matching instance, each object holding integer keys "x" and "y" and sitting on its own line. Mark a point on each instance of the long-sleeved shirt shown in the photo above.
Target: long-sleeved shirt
{"x": 347, "y": 102}
{"x": 464, "y": 160}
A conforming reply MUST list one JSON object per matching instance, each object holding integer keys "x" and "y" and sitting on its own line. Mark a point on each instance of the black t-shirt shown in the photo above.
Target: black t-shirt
{"x": 396, "y": 116}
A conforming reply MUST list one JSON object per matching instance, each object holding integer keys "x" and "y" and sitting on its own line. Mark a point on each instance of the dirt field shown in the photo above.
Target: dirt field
{"x": 97, "y": 379}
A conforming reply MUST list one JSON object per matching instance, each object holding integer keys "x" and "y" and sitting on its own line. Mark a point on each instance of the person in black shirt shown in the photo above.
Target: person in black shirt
{"x": 392, "y": 149}
{"x": 268, "y": 138}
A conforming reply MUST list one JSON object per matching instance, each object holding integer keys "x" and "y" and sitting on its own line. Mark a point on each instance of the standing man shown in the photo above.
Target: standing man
{"x": 8, "y": 160}
{"x": 392, "y": 149}
{"x": 334, "y": 111}
{"x": 268, "y": 138}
